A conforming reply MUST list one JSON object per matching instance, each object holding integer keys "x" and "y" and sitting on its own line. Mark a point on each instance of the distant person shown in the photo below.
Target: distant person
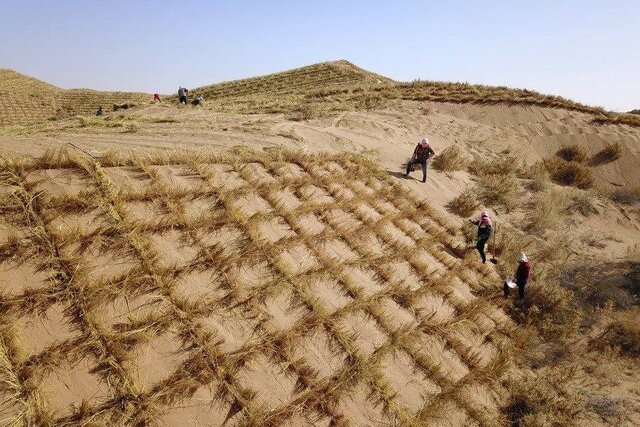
{"x": 100, "y": 112}
{"x": 182, "y": 94}
{"x": 156, "y": 97}
{"x": 420, "y": 156}
{"x": 522, "y": 276}
{"x": 485, "y": 227}
{"x": 199, "y": 100}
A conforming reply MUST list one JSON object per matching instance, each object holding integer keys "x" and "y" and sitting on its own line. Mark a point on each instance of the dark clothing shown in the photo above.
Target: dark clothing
{"x": 480, "y": 245}
{"x": 420, "y": 156}
{"x": 522, "y": 274}
{"x": 522, "y": 277}
{"x": 99, "y": 112}
{"x": 422, "y": 153}
{"x": 506, "y": 290}
{"x": 423, "y": 163}
{"x": 183, "y": 99}
{"x": 484, "y": 233}
{"x": 156, "y": 97}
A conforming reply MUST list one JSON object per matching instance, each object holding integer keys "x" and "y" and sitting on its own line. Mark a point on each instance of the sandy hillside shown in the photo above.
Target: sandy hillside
{"x": 198, "y": 267}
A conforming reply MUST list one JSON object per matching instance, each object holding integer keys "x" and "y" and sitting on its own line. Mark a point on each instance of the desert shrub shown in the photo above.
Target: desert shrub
{"x": 572, "y": 153}
{"x": 608, "y": 408}
{"x": 550, "y": 396}
{"x": 164, "y": 120}
{"x": 504, "y": 165}
{"x": 623, "y": 334}
{"x": 131, "y": 127}
{"x": 615, "y": 284}
{"x": 499, "y": 190}
{"x": 608, "y": 154}
{"x": 626, "y": 196}
{"x": 370, "y": 101}
{"x": 538, "y": 176}
{"x": 305, "y": 111}
{"x": 582, "y": 202}
{"x": 569, "y": 173}
{"x": 450, "y": 159}
{"x": 464, "y": 204}
{"x": 545, "y": 211}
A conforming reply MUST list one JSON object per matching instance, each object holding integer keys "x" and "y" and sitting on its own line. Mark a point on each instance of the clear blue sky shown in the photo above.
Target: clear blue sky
{"x": 585, "y": 50}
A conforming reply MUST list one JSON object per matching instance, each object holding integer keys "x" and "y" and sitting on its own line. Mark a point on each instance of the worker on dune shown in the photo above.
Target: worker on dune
{"x": 156, "y": 97}
{"x": 420, "y": 156}
{"x": 522, "y": 276}
{"x": 485, "y": 227}
{"x": 182, "y": 94}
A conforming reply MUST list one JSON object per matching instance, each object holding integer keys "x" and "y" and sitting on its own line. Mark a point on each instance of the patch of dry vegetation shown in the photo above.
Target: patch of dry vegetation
{"x": 465, "y": 204}
{"x": 26, "y": 101}
{"x": 572, "y": 153}
{"x": 608, "y": 154}
{"x": 350, "y": 197}
{"x": 622, "y": 335}
{"x": 626, "y": 196}
{"x": 499, "y": 190}
{"x": 569, "y": 173}
{"x": 450, "y": 159}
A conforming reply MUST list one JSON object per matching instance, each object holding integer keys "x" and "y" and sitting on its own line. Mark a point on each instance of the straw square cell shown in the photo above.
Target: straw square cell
{"x": 36, "y": 333}
{"x": 69, "y": 386}
{"x": 155, "y": 360}
{"x": 297, "y": 260}
{"x": 273, "y": 387}
{"x": 232, "y": 329}
{"x": 368, "y": 335}
{"x": 58, "y": 182}
{"x": 413, "y": 388}
{"x": 203, "y": 408}
{"x": 16, "y": 278}
{"x": 173, "y": 248}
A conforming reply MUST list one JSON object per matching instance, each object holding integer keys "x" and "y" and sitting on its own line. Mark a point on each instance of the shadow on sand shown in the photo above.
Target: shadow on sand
{"x": 398, "y": 174}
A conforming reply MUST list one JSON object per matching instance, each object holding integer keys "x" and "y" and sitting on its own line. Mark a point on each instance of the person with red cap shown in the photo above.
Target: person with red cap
{"x": 420, "y": 156}
{"x": 485, "y": 227}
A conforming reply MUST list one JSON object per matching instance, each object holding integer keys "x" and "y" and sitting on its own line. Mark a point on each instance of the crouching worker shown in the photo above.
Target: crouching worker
{"x": 522, "y": 276}
{"x": 199, "y": 100}
{"x": 485, "y": 227}
{"x": 420, "y": 156}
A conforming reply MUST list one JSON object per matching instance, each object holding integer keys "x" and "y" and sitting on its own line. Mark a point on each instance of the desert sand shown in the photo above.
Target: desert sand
{"x": 198, "y": 267}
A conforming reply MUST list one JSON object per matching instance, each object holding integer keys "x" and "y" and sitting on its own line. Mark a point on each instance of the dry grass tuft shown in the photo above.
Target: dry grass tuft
{"x": 626, "y": 196}
{"x": 464, "y": 204}
{"x": 572, "y": 153}
{"x": 450, "y": 159}
{"x": 569, "y": 173}
{"x": 622, "y": 334}
{"x": 503, "y": 165}
{"x": 305, "y": 111}
{"x": 549, "y": 397}
{"x": 608, "y": 154}
{"x": 499, "y": 190}
{"x": 546, "y": 211}
{"x": 582, "y": 202}
{"x": 539, "y": 177}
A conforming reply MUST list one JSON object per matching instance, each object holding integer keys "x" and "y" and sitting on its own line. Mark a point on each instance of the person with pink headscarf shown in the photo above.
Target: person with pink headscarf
{"x": 485, "y": 227}
{"x": 420, "y": 156}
